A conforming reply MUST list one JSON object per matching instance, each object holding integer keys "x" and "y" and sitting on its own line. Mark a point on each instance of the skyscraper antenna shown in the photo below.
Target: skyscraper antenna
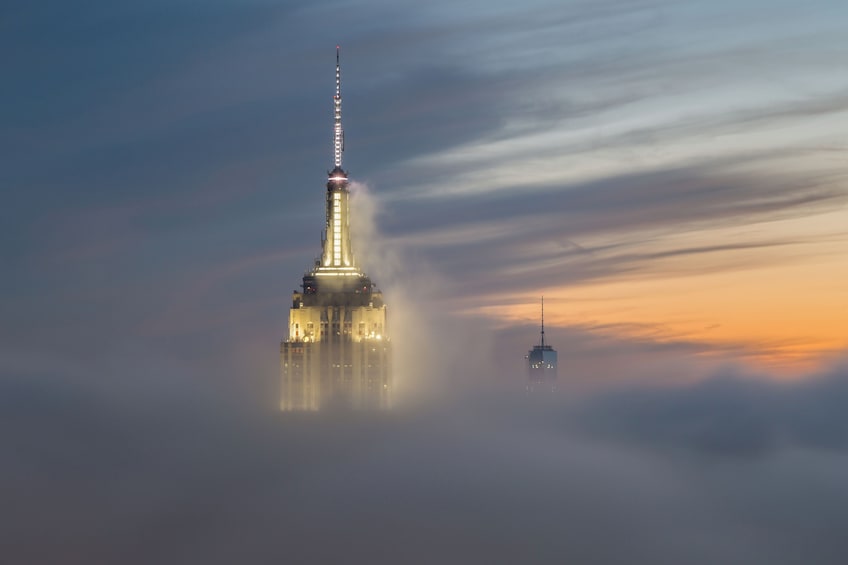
{"x": 338, "y": 132}
{"x": 543, "y": 321}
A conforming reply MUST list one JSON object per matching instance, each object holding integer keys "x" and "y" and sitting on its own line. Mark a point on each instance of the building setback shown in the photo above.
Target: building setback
{"x": 337, "y": 352}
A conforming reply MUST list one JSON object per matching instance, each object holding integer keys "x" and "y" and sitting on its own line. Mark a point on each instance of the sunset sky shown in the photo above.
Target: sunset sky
{"x": 671, "y": 175}
{"x": 669, "y": 171}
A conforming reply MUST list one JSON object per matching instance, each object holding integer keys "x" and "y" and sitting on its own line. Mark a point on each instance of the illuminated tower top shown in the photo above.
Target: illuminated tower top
{"x": 338, "y": 351}
{"x": 337, "y": 255}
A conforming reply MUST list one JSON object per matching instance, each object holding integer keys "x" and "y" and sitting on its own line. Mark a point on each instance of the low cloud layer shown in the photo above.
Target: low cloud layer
{"x": 164, "y": 468}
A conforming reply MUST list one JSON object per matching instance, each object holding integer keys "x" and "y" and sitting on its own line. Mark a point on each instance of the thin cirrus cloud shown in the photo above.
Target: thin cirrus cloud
{"x": 678, "y": 250}
{"x": 699, "y": 178}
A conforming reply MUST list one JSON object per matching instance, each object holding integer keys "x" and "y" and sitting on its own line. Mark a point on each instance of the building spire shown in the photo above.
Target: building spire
{"x": 338, "y": 132}
{"x": 543, "y": 321}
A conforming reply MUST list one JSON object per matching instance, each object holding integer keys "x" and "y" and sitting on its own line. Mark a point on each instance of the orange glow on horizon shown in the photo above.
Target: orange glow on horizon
{"x": 787, "y": 316}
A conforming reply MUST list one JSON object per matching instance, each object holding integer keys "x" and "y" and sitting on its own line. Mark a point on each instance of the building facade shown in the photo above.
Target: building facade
{"x": 338, "y": 352}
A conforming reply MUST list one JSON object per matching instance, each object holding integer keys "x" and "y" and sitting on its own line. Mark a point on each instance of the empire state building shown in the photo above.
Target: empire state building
{"x": 337, "y": 352}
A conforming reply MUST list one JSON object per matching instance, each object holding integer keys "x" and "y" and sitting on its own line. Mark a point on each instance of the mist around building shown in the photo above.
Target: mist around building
{"x": 142, "y": 400}
{"x": 172, "y": 463}
{"x": 136, "y": 458}
{"x": 627, "y": 460}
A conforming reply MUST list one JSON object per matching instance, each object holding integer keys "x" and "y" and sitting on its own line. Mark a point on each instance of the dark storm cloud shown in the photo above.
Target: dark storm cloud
{"x": 154, "y": 467}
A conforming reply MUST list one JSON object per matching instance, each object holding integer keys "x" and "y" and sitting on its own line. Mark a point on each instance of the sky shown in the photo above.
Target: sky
{"x": 670, "y": 175}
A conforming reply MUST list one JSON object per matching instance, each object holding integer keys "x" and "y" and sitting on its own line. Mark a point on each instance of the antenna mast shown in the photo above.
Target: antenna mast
{"x": 543, "y": 321}
{"x": 338, "y": 132}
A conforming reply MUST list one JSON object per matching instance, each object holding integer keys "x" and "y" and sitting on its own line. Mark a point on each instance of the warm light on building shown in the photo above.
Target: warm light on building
{"x": 337, "y": 351}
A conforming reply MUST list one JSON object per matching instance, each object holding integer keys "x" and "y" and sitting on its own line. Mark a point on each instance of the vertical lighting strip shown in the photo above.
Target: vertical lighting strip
{"x": 337, "y": 229}
{"x": 338, "y": 134}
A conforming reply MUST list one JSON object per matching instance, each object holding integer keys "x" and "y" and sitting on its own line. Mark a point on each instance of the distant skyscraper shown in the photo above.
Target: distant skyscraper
{"x": 541, "y": 363}
{"x": 337, "y": 351}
